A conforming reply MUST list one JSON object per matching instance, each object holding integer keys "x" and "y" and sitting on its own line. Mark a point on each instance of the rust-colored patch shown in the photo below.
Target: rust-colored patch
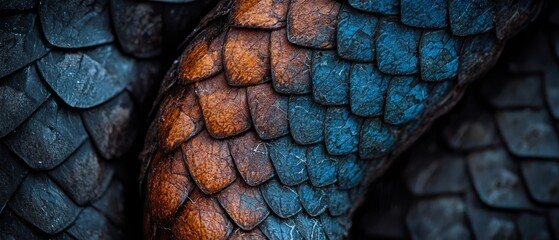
{"x": 251, "y": 158}
{"x": 312, "y": 23}
{"x": 209, "y": 163}
{"x": 181, "y": 117}
{"x": 247, "y": 57}
{"x": 203, "y": 57}
{"x": 224, "y": 108}
{"x": 290, "y": 65}
{"x": 168, "y": 186}
{"x": 268, "y": 110}
{"x": 244, "y": 204}
{"x": 202, "y": 218}
{"x": 268, "y": 14}
{"x": 254, "y": 234}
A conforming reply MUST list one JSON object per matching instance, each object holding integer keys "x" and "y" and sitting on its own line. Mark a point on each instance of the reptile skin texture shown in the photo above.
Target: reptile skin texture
{"x": 75, "y": 80}
{"x": 490, "y": 169}
{"x": 278, "y": 113}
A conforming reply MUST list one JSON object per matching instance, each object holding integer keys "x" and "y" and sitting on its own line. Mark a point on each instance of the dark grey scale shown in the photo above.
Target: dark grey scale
{"x": 21, "y": 93}
{"x": 488, "y": 170}
{"x": 44, "y": 204}
{"x": 111, "y": 204}
{"x": 20, "y": 35}
{"x": 88, "y": 226}
{"x": 84, "y": 176}
{"x": 75, "y": 24}
{"x": 86, "y": 79}
{"x": 48, "y": 137}
{"x": 12, "y": 174}
{"x": 488, "y": 223}
{"x": 76, "y": 80}
{"x": 510, "y": 91}
{"x": 12, "y": 226}
{"x": 111, "y": 125}
{"x": 471, "y": 127}
{"x": 150, "y": 45}
{"x": 441, "y": 217}
{"x": 432, "y": 172}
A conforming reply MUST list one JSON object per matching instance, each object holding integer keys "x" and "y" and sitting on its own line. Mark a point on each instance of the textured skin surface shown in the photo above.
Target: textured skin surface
{"x": 75, "y": 80}
{"x": 299, "y": 106}
{"x": 489, "y": 170}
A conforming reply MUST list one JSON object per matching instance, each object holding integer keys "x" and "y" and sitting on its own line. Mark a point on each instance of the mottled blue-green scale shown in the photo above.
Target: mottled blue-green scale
{"x": 469, "y": 17}
{"x": 397, "y": 47}
{"x": 387, "y": 7}
{"x": 277, "y": 228}
{"x": 290, "y": 160}
{"x": 341, "y": 131}
{"x": 405, "y": 100}
{"x": 310, "y": 227}
{"x": 367, "y": 88}
{"x": 306, "y": 120}
{"x": 351, "y": 171}
{"x": 424, "y": 13}
{"x": 355, "y": 34}
{"x": 283, "y": 200}
{"x": 321, "y": 167}
{"x": 439, "y": 55}
{"x": 339, "y": 202}
{"x": 376, "y": 139}
{"x": 330, "y": 78}
{"x": 313, "y": 199}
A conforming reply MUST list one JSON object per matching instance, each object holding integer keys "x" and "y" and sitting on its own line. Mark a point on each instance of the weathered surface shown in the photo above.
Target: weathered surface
{"x": 304, "y": 100}
{"x": 488, "y": 170}
{"x": 76, "y": 81}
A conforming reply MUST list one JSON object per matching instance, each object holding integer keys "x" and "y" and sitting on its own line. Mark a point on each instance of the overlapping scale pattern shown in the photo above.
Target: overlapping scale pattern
{"x": 302, "y": 101}
{"x": 489, "y": 170}
{"x": 75, "y": 77}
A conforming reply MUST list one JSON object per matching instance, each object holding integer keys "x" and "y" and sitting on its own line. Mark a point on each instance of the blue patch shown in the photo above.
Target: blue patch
{"x": 330, "y": 78}
{"x": 470, "y": 17}
{"x": 341, "y": 130}
{"x": 335, "y": 228}
{"x": 283, "y": 200}
{"x": 290, "y": 160}
{"x": 277, "y": 228}
{"x": 405, "y": 99}
{"x": 356, "y": 35}
{"x": 377, "y": 139}
{"x": 338, "y": 201}
{"x": 388, "y": 7}
{"x": 397, "y": 48}
{"x": 306, "y": 119}
{"x": 351, "y": 172}
{"x": 367, "y": 90}
{"x": 309, "y": 227}
{"x": 314, "y": 200}
{"x": 321, "y": 167}
{"x": 439, "y": 55}
{"x": 424, "y": 13}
